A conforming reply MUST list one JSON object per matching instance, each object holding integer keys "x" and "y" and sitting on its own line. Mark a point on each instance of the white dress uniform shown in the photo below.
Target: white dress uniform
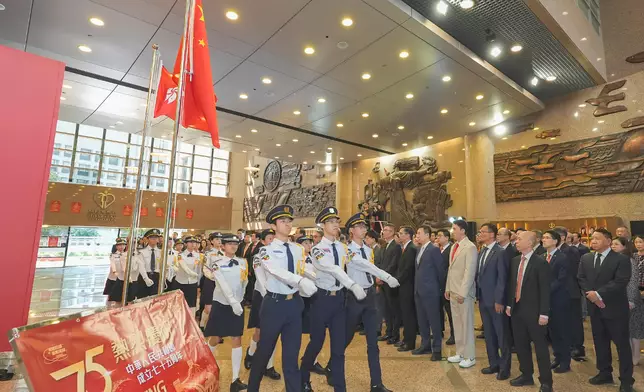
{"x": 187, "y": 268}
{"x": 150, "y": 261}
{"x": 169, "y": 273}
{"x": 111, "y": 276}
{"x": 137, "y": 273}
{"x": 227, "y": 314}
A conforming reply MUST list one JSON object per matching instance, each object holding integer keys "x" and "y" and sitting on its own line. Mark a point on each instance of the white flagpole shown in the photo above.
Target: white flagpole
{"x": 138, "y": 199}
{"x": 175, "y": 136}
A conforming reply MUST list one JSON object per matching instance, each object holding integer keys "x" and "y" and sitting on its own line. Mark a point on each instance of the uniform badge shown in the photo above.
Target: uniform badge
{"x": 263, "y": 254}
{"x": 256, "y": 262}
{"x": 317, "y": 253}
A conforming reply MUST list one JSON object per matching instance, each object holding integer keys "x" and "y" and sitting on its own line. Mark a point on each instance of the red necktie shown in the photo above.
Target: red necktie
{"x": 549, "y": 257}
{"x": 517, "y": 295}
{"x": 454, "y": 253}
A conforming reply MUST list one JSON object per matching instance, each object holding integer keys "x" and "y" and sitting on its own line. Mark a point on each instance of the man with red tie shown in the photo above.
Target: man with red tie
{"x": 529, "y": 306}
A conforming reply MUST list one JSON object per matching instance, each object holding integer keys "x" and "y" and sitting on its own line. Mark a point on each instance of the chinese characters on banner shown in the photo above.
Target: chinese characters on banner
{"x": 76, "y": 207}
{"x": 127, "y": 210}
{"x": 159, "y": 212}
{"x": 190, "y": 214}
{"x": 144, "y": 211}
{"x": 54, "y": 206}
{"x": 154, "y": 345}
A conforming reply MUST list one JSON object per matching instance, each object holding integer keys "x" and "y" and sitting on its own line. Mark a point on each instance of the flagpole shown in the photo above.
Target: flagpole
{"x": 175, "y": 137}
{"x": 138, "y": 198}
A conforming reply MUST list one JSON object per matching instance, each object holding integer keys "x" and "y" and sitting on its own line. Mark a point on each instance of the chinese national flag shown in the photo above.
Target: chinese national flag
{"x": 199, "y": 103}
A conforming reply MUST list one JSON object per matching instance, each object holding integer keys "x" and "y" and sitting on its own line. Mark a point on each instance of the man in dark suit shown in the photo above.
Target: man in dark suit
{"x": 428, "y": 291}
{"x": 538, "y": 248}
{"x": 405, "y": 275}
{"x": 491, "y": 282}
{"x": 558, "y": 327}
{"x": 445, "y": 244}
{"x": 390, "y": 259}
{"x": 603, "y": 276}
{"x": 576, "y": 242}
{"x": 529, "y": 306}
{"x": 575, "y": 318}
{"x": 371, "y": 239}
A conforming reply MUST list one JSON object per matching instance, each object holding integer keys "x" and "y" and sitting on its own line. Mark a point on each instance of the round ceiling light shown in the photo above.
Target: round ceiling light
{"x": 309, "y": 50}
{"x": 97, "y": 22}
{"x": 347, "y": 22}
{"x": 404, "y": 54}
{"x": 267, "y": 81}
{"x": 366, "y": 76}
{"x": 232, "y": 15}
{"x": 447, "y": 78}
{"x": 516, "y": 48}
{"x": 85, "y": 48}
{"x": 467, "y": 4}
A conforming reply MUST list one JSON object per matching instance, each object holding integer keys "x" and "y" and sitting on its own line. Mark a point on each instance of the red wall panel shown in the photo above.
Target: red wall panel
{"x": 29, "y": 103}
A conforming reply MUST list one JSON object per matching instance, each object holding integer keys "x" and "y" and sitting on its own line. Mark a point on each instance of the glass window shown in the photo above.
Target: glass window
{"x": 160, "y": 156}
{"x": 200, "y": 188}
{"x": 201, "y": 150}
{"x": 202, "y": 162}
{"x": 184, "y": 147}
{"x": 182, "y": 173}
{"x": 162, "y": 143}
{"x": 219, "y": 190}
{"x": 112, "y": 179}
{"x": 58, "y": 174}
{"x": 221, "y": 154}
{"x": 131, "y": 182}
{"x": 87, "y": 161}
{"x": 90, "y": 246}
{"x": 85, "y": 176}
{"x": 65, "y": 127}
{"x": 160, "y": 169}
{"x": 201, "y": 175}
{"x": 116, "y": 135}
{"x": 112, "y": 148}
{"x": 184, "y": 160}
{"x": 63, "y": 157}
{"x": 114, "y": 164}
{"x": 89, "y": 145}
{"x": 87, "y": 130}
{"x": 159, "y": 184}
{"x": 136, "y": 139}
{"x": 220, "y": 178}
{"x": 181, "y": 187}
{"x": 219, "y": 165}
{"x": 63, "y": 140}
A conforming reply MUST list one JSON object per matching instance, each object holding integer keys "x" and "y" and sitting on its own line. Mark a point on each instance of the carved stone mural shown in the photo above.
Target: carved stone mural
{"x": 598, "y": 166}
{"x": 283, "y": 184}
{"x": 413, "y": 193}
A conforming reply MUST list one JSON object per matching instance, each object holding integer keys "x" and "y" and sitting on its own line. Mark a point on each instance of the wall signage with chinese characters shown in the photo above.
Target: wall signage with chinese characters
{"x": 103, "y": 201}
{"x": 153, "y": 345}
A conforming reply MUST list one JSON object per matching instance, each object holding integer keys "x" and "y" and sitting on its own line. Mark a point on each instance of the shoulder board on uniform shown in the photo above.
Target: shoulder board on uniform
{"x": 317, "y": 253}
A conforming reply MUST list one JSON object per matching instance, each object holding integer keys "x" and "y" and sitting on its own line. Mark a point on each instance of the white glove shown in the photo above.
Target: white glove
{"x": 392, "y": 282}
{"x": 237, "y": 309}
{"x": 307, "y": 287}
{"x": 358, "y": 292}
{"x": 149, "y": 282}
{"x": 194, "y": 275}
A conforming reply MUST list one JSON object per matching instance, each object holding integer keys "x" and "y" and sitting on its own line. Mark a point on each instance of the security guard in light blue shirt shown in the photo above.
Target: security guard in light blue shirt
{"x": 281, "y": 312}
{"x": 327, "y": 308}
{"x": 361, "y": 269}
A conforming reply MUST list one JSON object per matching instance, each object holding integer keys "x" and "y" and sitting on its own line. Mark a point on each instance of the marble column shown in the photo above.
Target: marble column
{"x": 479, "y": 177}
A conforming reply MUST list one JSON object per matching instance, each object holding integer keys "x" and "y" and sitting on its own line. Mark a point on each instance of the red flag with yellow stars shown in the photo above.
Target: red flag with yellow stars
{"x": 199, "y": 104}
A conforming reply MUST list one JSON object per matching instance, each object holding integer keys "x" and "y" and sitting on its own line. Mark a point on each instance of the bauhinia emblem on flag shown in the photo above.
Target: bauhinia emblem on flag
{"x": 199, "y": 100}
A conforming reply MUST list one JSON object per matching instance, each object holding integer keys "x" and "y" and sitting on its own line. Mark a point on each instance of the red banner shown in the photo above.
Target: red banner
{"x": 76, "y": 207}
{"x": 144, "y": 211}
{"x": 54, "y": 206}
{"x": 52, "y": 241}
{"x": 154, "y": 345}
{"x": 190, "y": 214}
{"x": 127, "y": 210}
{"x": 159, "y": 212}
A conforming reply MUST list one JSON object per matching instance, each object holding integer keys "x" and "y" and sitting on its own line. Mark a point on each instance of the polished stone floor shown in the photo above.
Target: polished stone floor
{"x": 77, "y": 289}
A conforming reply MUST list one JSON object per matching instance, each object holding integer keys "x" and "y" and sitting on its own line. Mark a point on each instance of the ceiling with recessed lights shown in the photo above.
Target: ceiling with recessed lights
{"x": 297, "y": 77}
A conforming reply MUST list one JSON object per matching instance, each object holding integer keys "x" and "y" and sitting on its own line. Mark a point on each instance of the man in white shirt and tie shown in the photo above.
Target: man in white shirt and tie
{"x": 152, "y": 259}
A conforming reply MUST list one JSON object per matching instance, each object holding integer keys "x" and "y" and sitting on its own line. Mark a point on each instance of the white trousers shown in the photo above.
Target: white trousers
{"x": 463, "y": 316}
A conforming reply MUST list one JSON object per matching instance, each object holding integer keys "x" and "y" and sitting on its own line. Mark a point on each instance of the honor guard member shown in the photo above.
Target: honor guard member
{"x": 327, "y": 307}
{"x": 362, "y": 270}
{"x": 227, "y": 314}
{"x": 152, "y": 259}
{"x": 137, "y": 273}
{"x": 187, "y": 269}
{"x": 281, "y": 313}
{"x": 170, "y": 273}
{"x": 118, "y": 248}
{"x": 206, "y": 285}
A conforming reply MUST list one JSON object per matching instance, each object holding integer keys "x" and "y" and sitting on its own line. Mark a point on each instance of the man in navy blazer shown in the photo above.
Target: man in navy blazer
{"x": 428, "y": 291}
{"x": 491, "y": 283}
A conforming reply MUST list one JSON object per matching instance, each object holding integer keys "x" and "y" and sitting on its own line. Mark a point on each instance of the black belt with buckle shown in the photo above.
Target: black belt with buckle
{"x": 284, "y": 297}
{"x": 329, "y": 293}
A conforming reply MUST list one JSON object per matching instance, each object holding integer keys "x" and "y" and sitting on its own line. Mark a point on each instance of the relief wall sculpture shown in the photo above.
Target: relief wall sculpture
{"x": 413, "y": 193}
{"x": 597, "y": 166}
{"x": 282, "y": 184}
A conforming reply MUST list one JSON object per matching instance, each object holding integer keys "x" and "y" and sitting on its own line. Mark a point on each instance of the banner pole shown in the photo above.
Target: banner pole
{"x": 138, "y": 199}
{"x": 175, "y": 138}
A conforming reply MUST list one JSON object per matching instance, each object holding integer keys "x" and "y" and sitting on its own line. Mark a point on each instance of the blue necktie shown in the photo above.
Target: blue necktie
{"x": 336, "y": 258}
{"x": 291, "y": 261}
{"x": 233, "y": 262}
{"x": 190, "y": 254}
{"x": 153, "y": 260}
{"x": 364, "y": 256}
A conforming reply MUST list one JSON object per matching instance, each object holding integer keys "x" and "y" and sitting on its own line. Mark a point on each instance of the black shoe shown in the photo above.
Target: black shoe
{"x": 272, "y": 374}
{"x": 625, "y": 388}
{"x": 237, "y": 385}
{"x": 450, "y": 341}
{"x": 503, "y": 375}
{"x": 481, "y": 336}
{"x": 362, "y": 333}
{"x": 601, "y": 379}
{"x": 318, "y": 369}
{"x": 578, "y": 354}
{"x": 521, "y": 381}
{"x": 380, "y": 388}
{"x": 513, "y": 350}
{"x": 306, "y": 387}
{"x": 561, "y": 369}
{"x": 490, "y": 370}
{"x": 403, "y": 348}
{"x": 329, "y": 377}
{"x": 248, "y": 361}
{"x": 421, "y": 351}
{"x": 554, "y": 364}
{"x": 545, "y": 388}
{"x": 383, "y": 338}
{"x": 436, "y": 356}
{"x": 399, "y": 343}
{"x": 392, "y": 341}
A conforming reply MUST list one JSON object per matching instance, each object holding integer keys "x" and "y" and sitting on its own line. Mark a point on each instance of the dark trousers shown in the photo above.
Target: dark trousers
{"x": 559, "y": 331}
{"x": 446, "y": 308}
{"x": 408, "y": 311}
{"x": 605, "y": 330}
{"x": 381, "y": 308}
{"x": 497, "y": 338}
{"x": 576, "y": 326}
{"x": 393, "y": 318}
{"x": 250, "y": 288}
{"x": 279, "y": 317}
{"x": 327, "y": 310}
{"x": 428, "y": 312}
{"x": 365, "y": 311}
{"x": 143, "y": 290}
{"x": 526, "y": 329}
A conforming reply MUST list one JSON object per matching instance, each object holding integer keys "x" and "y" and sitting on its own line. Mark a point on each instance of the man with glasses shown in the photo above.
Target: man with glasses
{"x": 390, "y": 260}
{"x": 445, "y": 246}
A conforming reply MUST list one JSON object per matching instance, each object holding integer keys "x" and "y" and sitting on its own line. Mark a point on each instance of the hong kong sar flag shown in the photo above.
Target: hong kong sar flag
{"x": 199, "y": 102}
